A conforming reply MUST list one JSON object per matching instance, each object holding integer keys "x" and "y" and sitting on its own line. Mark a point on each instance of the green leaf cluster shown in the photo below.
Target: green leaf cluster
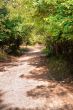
{"x": 55, "y": 19}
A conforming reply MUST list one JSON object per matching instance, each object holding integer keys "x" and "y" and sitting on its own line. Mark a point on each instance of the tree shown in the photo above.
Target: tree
{"x": 15, "y": 25}
{"x": 54, "y": 18}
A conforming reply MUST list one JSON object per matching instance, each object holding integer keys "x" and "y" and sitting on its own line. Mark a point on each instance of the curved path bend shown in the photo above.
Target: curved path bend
{"x": 26, "y": 85}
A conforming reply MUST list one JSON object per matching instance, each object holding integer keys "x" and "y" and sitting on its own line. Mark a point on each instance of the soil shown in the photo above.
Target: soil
{"x": 25, "y": 84}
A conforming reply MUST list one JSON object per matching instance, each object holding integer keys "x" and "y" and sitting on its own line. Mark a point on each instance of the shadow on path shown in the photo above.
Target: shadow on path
{"x": 41, "y": 70}
{"x": 36, "y": 84}
{"x": 56, "y": 95}
{"x": 2, "y": 105}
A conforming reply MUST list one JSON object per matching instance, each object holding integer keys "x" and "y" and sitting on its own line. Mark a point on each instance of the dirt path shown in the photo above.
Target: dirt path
{"x": 26, "y": 85}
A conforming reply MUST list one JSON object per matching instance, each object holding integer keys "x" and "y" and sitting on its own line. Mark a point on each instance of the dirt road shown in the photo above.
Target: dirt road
{"x": 26, "y": 85}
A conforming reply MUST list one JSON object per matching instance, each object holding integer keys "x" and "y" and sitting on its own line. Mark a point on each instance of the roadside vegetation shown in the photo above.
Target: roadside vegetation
{"x": 47, "y": 22}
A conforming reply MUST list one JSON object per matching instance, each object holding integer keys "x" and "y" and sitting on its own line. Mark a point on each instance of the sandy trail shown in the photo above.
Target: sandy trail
{"x": 25, "y": 86}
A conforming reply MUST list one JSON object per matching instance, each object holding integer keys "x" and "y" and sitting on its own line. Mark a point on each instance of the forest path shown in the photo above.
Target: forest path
{"x": 26, "y": 85}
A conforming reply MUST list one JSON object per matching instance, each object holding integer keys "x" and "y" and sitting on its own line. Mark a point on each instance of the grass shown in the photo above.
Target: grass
{"x": 3, "y": 56}
{"x": 48, "y": 53}
{"x": 19, "y": 52}
{"x": 60, "y": 67}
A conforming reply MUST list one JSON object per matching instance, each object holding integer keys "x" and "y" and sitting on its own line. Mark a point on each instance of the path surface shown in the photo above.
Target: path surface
{"x": 26, "y": 85}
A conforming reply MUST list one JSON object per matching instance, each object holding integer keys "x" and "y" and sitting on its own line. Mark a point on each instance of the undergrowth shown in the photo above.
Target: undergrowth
{"x": 3, "y": 56}
{"x": 60, "y": 68}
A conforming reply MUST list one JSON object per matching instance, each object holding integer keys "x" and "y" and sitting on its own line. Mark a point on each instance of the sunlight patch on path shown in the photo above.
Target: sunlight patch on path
{"x": 35, "y": 92}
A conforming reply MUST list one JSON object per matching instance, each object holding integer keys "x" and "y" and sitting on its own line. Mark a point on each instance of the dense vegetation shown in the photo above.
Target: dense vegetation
{"x": 14, "y": 28}
{"x": 47, "y": 21}
{"x": 55, "y": 19}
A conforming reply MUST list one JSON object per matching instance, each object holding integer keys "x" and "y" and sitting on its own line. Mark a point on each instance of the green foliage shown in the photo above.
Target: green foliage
{"x": 54, "y": 18}
{"x": 43, "y": 21}
{"x": 15, "y": 28}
